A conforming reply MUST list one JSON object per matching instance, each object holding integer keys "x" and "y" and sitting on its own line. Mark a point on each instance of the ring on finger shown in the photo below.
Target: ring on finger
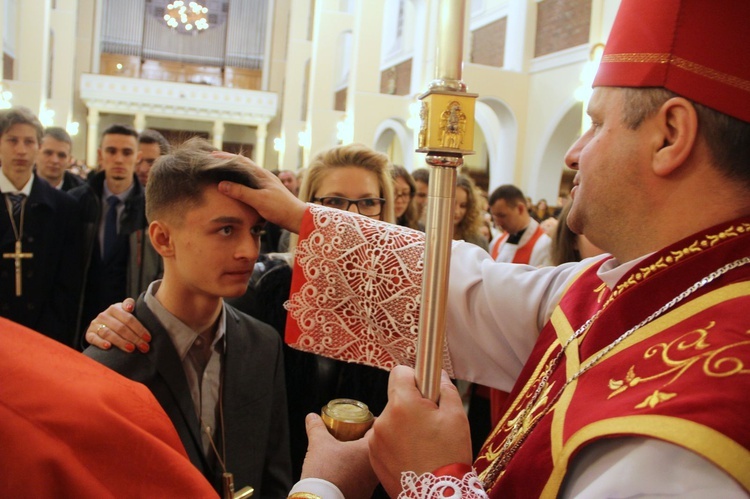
{"x": 99, "y": 329}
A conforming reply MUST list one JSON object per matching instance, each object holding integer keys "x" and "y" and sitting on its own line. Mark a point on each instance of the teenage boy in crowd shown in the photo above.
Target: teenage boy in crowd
{"x": 40, "y": 236}
{"x": 217, "y": 373}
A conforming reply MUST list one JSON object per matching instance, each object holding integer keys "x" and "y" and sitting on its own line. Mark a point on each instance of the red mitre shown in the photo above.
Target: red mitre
{"x": 695, "y": 48}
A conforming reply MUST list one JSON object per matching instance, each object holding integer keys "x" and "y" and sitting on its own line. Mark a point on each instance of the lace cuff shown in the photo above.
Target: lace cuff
{"x": 356, "y": 290}
{"x": 429, "y": 486}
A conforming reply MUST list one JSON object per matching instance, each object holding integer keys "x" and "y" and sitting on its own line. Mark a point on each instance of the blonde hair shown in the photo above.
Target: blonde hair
{"x": 358, "y": 155}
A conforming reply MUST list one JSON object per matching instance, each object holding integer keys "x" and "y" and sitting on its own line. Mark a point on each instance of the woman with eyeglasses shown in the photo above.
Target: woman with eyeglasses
{"x": 351, "y": 177}
{"x": 358, "y": 179}
{"x": 404, "y": 206}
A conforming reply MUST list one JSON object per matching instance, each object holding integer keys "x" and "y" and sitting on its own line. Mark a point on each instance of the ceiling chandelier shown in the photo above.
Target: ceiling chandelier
{"x": 188, "y": 16}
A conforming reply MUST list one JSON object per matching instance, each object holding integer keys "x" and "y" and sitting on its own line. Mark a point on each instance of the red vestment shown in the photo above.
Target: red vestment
{"x": 73, "y": 428}
{"x": 682, "y": 378}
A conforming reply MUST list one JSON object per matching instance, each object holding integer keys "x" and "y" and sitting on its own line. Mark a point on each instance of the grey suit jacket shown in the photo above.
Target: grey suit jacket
{"x": 256, "y": 430}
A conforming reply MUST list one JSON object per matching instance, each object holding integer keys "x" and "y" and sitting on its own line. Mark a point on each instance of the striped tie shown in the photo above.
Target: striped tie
{"x": 17, "y": 202}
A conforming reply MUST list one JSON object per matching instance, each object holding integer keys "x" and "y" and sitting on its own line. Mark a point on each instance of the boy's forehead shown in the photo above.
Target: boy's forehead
{"x": 214, "y": 204}
{"x": 20, "y": 130}
{"x": 119, "y": 139}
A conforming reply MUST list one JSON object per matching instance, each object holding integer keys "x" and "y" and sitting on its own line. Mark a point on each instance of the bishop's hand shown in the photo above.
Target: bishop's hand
{"x": 271, "y": 199}
{"x": 415, "y": 434}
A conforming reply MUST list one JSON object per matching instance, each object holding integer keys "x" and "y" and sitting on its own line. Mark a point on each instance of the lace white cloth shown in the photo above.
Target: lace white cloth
{"x": 429, "y": 486}
{"x": 360, "y": 300}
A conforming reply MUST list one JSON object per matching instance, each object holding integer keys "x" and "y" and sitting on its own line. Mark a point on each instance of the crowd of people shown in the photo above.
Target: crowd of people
{"x": 116, "y": 239}
{"x": 574, "y": 333}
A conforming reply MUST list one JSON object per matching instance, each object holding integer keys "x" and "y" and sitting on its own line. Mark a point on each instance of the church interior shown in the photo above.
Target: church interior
{"x": 281, "y": 80}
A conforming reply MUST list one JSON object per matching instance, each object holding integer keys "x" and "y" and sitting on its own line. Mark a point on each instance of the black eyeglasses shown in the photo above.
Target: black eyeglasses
{"x": 369, "y": 207}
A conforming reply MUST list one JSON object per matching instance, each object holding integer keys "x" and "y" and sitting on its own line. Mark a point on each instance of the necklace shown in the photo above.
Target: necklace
{"x": 18, "y": 253}
{"x": 518, "y": 433}
{"x": 227, "y": 478}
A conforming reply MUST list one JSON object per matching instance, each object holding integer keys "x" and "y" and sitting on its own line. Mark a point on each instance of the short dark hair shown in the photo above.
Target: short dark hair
{"x": 727, "y": 137}
{"x": 149, "y": 136}
{"x": 421, "y": 175}
{"x": 177, "y": 180}
{"x": 19, "y": 115}
{"x": 59, "y": 134}
{"x": 509, "y": 193}
{"x": 117, "y": 129}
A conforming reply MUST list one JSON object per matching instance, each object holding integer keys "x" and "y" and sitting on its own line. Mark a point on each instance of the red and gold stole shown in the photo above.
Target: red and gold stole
{"x": 683, "y": 377}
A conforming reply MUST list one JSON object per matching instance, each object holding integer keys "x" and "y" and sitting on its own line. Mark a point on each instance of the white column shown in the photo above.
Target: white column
{"x": 297, "y": 57}
{"x": 32, "y": 62}
{"x": 96, "y": 50}
{"x": 2, "y": 36}
{"x": 322, "y": 118}
{"x": 139, "y": 122}
{"x": 260, "y": 145}
{"x": 92, "y": 137}
{"x": 519, "y": 34}
{"x": 62, "y": 73}
{"x": 218, "y": 134}
{"x": 364, "y": 77}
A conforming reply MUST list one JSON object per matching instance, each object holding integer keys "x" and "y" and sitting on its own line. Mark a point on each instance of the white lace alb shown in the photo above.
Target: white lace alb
{"x": 429, "y": 486}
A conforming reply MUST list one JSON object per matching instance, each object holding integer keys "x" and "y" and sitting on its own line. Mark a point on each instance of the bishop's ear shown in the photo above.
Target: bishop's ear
{"x": 161, "y": 238}
{"x": 677, "y": 122}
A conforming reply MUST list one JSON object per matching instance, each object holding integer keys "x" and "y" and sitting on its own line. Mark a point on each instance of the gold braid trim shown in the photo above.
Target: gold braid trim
{"x": 675, "y": 256}
{"x": 679, "y": 62}
{"x": 304, "y": 495}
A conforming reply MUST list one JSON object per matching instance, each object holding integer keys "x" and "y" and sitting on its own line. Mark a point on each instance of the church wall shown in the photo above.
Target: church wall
{"x": 561, "y": 24}
{"x": 488, "y": 44}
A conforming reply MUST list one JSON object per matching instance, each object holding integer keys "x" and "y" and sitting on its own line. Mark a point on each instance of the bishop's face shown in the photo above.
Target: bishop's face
{"x": 18, "y": 149}
{"x": 613, "y": 162}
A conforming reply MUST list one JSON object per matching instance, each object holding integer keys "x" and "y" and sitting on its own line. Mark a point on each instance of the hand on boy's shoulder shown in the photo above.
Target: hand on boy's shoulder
{"x": 117, "y": 326}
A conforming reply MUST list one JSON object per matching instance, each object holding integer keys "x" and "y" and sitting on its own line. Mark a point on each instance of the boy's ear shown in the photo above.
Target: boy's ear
{"x": 161, "y": 238}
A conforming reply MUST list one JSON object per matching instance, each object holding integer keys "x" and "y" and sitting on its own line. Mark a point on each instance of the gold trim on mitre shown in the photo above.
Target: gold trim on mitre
{"x": 679, "y": 62}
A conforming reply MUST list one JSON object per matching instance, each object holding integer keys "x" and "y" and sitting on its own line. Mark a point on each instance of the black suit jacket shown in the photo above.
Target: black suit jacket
{"x": 106, "y": 280}
{"x": 51, "y": 279}
{"x": 71, "y": 181}
{"x": 254, "y": 400}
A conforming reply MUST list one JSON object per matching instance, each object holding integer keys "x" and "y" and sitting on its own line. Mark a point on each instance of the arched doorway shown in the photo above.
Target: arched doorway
{"x": 499, "y": 133}
{"x": 395, "y": 140}
{"x": 553, "y": 177}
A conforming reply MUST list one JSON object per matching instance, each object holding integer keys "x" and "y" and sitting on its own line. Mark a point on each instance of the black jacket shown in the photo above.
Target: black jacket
{"x": 254, "y": 399}
{"x": 105, "y": 281}
{"x": 51, "y": 279}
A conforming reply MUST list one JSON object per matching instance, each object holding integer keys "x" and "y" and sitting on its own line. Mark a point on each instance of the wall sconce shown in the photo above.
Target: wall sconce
{"x": 47, "y": 117}
{"x": 304, "y": 139}
{"x": 279, "y": 144}
{"x": 345, "y": 131}
{"x": 5, "y": 97}
{"x": 72, "y": 128}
